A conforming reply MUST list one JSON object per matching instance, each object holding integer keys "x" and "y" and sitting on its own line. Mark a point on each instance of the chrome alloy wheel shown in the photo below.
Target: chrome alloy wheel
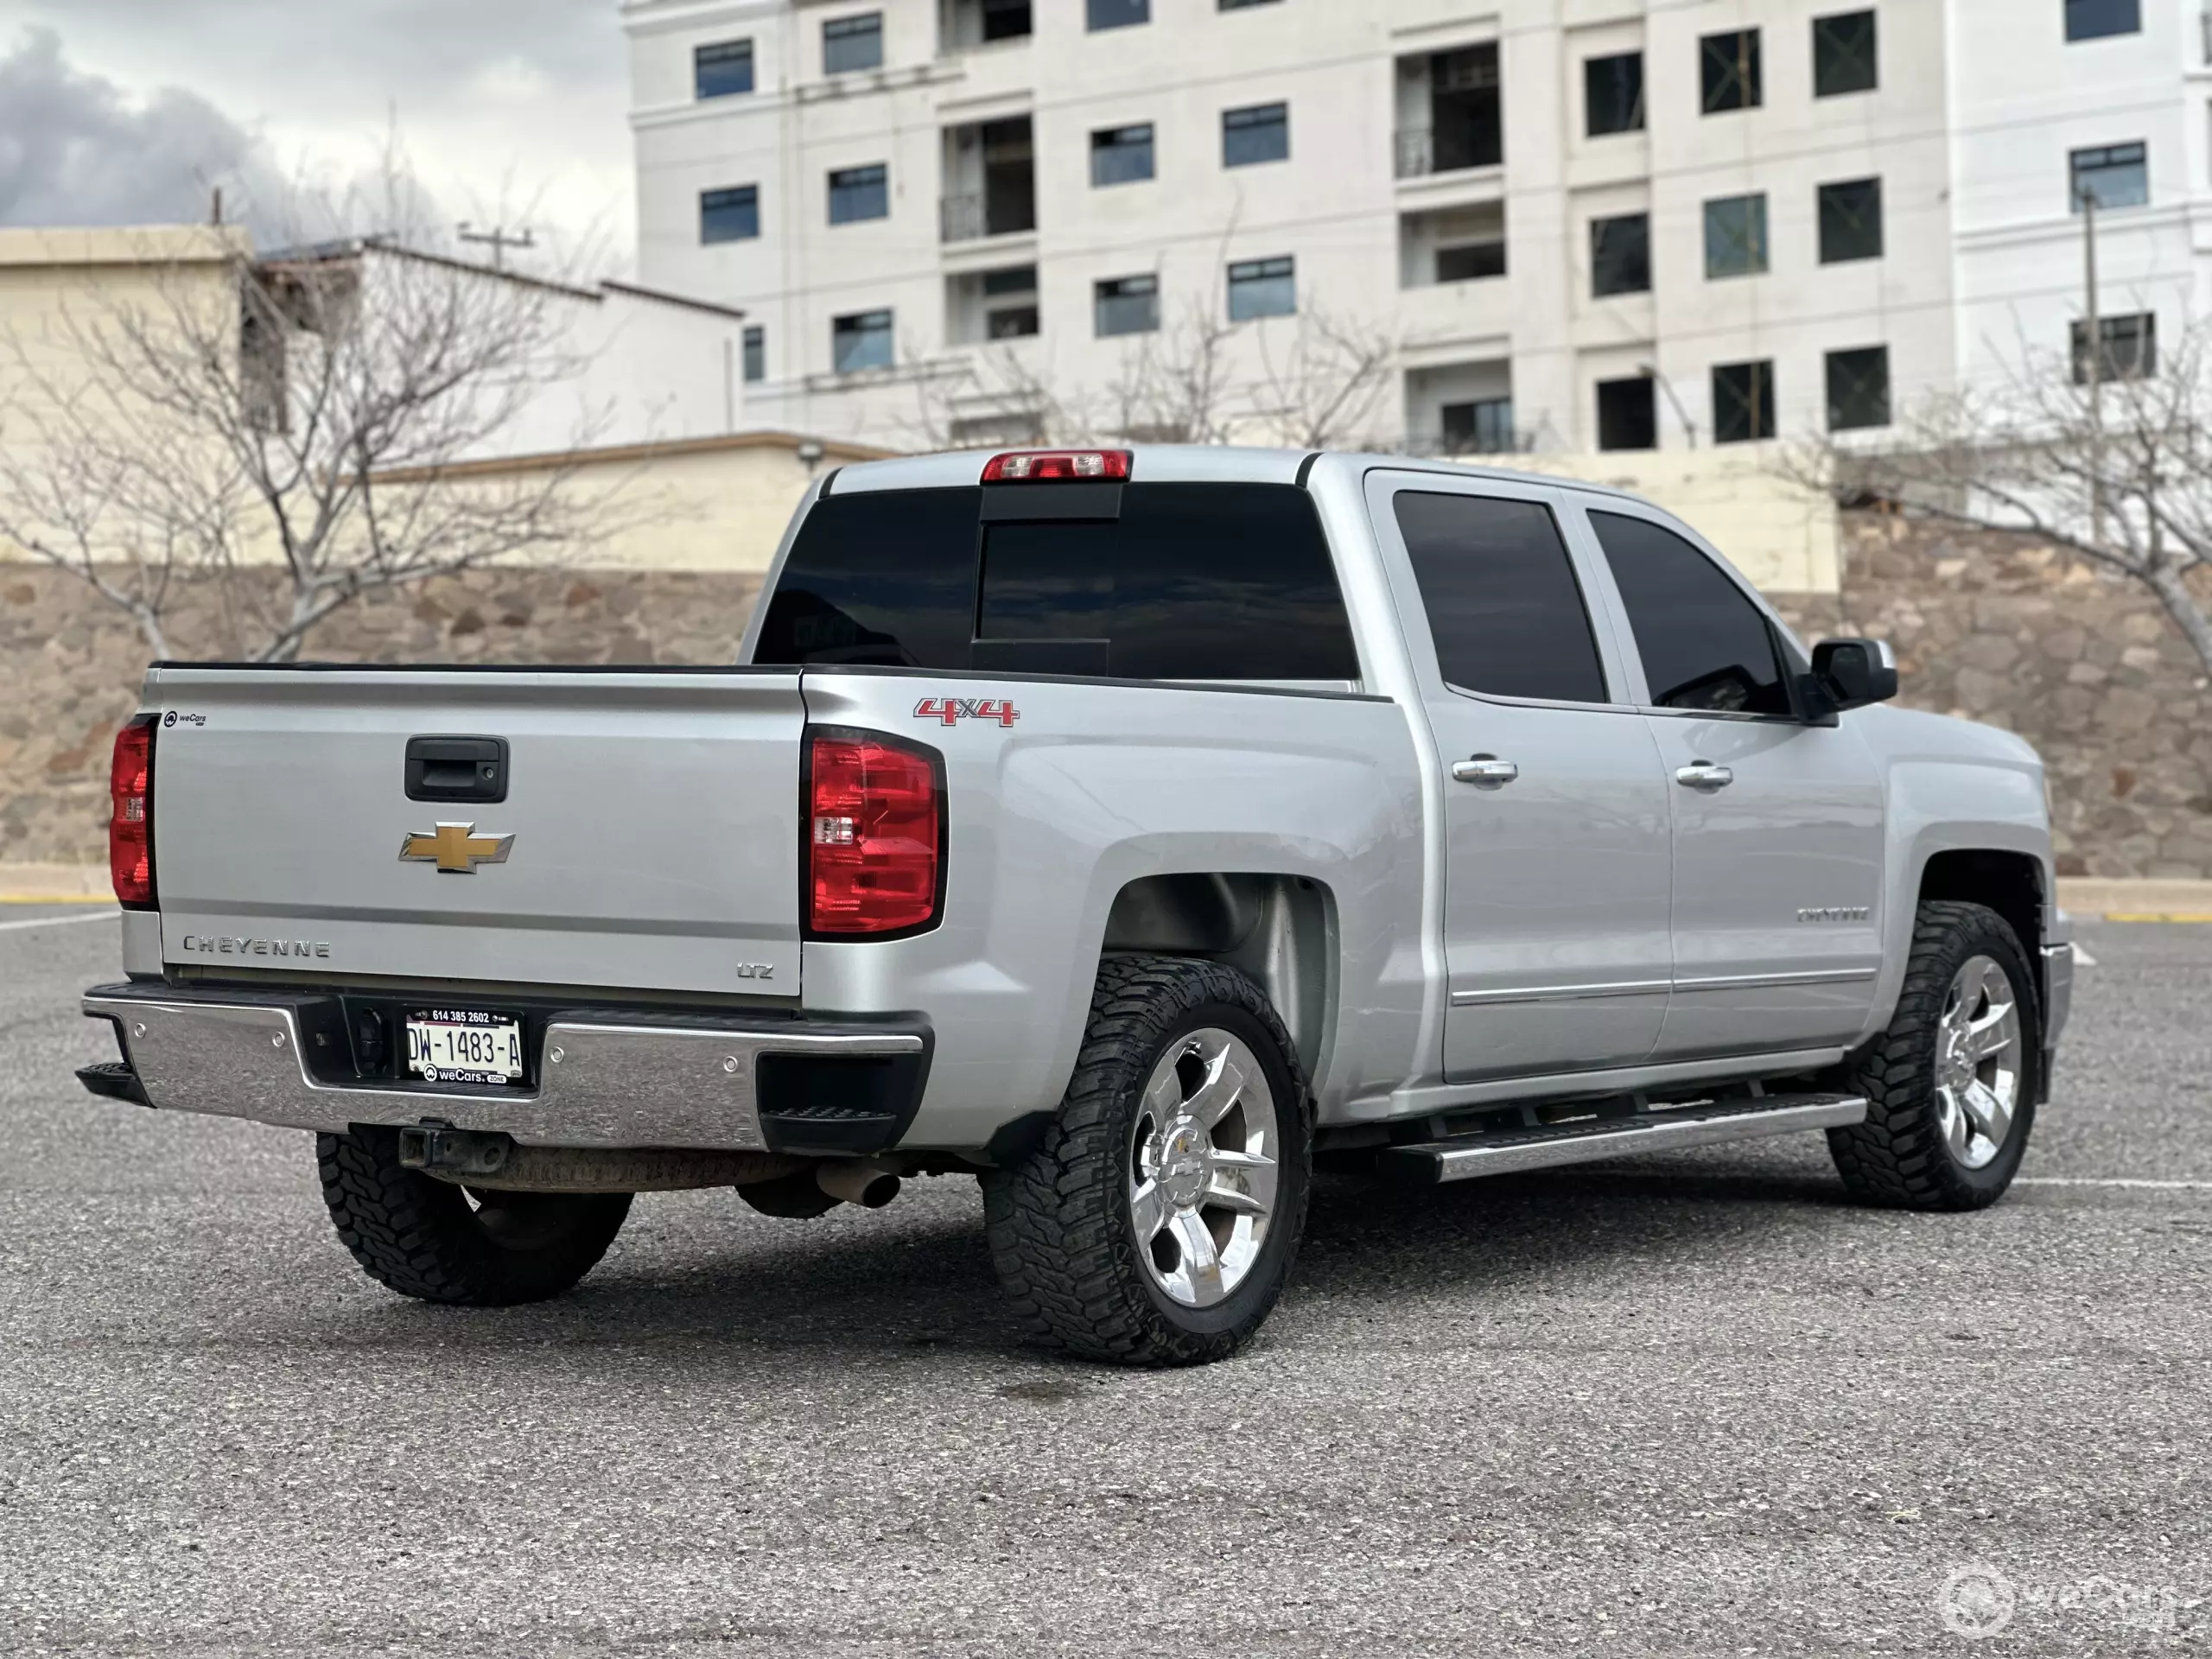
{"x": 1978, "y": 1054}
{"x": 1202, "y": 1167}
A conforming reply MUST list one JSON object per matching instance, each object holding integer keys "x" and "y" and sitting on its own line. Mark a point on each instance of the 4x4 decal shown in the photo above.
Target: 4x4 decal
{"x": 953, "y": 710}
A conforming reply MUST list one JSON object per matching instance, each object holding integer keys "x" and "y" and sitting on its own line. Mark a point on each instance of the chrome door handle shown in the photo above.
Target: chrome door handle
{"x": 1485, "y": 771}
{"x": 1703, "y": 774}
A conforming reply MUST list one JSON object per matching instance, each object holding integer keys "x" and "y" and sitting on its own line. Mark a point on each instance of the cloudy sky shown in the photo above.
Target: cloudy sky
{"x": 124, "y": 111}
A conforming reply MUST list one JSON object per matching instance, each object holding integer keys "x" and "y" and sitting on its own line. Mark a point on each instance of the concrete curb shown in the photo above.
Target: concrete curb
{"x": 55, "y": 884}
{"x": 2092, "y": 899}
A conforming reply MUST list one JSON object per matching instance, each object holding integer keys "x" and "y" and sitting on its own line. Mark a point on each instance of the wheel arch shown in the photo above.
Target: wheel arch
{"x": 1280, "y": 929}
{"x": 2010, "y": 883}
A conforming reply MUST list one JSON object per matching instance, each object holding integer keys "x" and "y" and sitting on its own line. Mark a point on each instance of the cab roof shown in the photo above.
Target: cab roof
{"x": 1178, "y": 463}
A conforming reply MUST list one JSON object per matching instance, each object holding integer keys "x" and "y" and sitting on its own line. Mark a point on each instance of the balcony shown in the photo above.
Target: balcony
{"x": 1451, "y": 114}
{"x": 964, "y": 25}
{"x": 1464, "y": 407}
{"x": 1457, "y": 245}
{"x": 992, "y": 167}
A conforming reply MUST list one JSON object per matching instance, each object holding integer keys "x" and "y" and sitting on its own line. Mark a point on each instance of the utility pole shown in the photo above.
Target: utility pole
{"x": 498, "y": 239}
{"x": 2094, "y": 327}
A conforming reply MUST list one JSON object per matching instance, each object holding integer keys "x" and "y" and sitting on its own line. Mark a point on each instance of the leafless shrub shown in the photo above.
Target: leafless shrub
{"x": 311, "y": 413}
{"x": 2110, "y": 460}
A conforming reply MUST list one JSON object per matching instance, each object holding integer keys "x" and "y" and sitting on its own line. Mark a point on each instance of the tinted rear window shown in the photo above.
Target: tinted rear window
{"x": 888, "y": 579}
{"x": 1503, "y": 602}
{"x": 1220, "y": 582}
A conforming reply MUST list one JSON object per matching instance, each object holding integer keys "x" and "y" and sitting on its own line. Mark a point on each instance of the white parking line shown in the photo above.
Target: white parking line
{"x": 60, "y": 921}
{"x": 2148, "y": 1186}
{"x": 2081, "y": 957}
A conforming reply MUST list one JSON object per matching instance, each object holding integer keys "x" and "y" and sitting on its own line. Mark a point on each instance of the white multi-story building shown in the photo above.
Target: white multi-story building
{"x": 1574, "y": 224}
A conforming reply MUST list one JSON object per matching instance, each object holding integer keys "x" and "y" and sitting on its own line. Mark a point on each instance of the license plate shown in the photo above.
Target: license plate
{"x": 463, "y": 1045}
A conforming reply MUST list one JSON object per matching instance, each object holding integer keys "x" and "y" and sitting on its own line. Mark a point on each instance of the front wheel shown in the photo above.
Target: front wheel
{"x": 1951, "y": 1086}
{"x": 430, "y": 1239}
{"x": 1156, "y": 1222}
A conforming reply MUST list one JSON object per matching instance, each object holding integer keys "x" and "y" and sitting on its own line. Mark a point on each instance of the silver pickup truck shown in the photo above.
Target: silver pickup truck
{"x": 1130, "y": 830}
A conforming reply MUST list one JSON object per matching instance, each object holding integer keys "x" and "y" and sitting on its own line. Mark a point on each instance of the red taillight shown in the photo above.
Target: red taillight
{"x": 1051, "y": 466}
{"x": 874, "y": 834}
{"x": 131, "y": 814}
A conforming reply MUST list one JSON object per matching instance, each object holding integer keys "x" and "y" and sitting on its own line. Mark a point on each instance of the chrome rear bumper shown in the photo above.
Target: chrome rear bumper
{"x": 602, "y": 1079}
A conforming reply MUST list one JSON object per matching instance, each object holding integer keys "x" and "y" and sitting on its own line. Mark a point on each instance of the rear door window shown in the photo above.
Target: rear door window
{"x": 1199, "y": 582}
{"x": 1503, "y": 604}
{"x": 1705, "y": 645}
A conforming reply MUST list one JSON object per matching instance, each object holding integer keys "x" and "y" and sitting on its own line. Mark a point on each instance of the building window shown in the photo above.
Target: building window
{"x": 2092, "y": 20}
{"x": 1851, "y": 221}
{"x": 850, "y": 43}
{"x": 1846, "y": 57}
{"x": 2111, "y": 175}
{"x": 1262, "y": 287}
{"x": 1010, "y": 302}
{"x": 1628, "y": 416}
{"x": 2131, "y": 349}
{"x": 1613, "y": 89}
{"x": 1120, "y": 154}
{"x": 1620, "y": 255}
{"x": 1743, "y": 402}
{"x": 1006, "y": 20}
{"x": 1735, "y": 237}
{"x": 731, "y": 215}
{"x": 756, "y": 352}
{"x": 1482, "y": 428}
{"x": 1117, "y": 14}
{"x": 1729, "y": 65}
{"x": 1858, "y": 389}
{"x": 723, "y": 69}
{"x": 1261, "y": 133}
{"x": 1471, "y": 262}
{"x": 1126, "y": 305}
{"x": 857, "y": 193}
{"x": 861, "y": 341}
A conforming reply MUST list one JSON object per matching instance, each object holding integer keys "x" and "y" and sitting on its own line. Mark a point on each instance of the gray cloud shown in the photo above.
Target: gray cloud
{"x": 132, "y": 110}
{"x": 75, "y": 150}
{"x": 350, "y": 49}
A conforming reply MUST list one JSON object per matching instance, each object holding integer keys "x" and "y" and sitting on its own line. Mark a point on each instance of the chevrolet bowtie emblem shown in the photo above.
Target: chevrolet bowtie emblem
{"x": 456, "y": 849}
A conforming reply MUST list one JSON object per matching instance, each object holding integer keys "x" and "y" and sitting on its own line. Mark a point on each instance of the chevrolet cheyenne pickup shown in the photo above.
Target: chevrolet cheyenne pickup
{"x": 1128, "y": 829}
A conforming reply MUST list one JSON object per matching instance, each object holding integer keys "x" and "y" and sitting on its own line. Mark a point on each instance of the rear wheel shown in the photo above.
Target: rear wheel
{"x": 428, "y": 1238}
{"x": 1156, "y": 1223}
{"x": 1951, "y": 1086}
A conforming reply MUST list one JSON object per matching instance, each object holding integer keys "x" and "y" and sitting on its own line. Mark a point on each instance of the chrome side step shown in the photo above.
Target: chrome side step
{"x": 1702, "y": 1124}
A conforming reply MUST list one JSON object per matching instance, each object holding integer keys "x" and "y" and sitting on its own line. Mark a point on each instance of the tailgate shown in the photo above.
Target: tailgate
{"x": 653, "y": 816}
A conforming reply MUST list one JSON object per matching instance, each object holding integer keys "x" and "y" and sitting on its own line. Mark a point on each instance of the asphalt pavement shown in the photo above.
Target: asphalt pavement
{"x": 1691, "y": 1404}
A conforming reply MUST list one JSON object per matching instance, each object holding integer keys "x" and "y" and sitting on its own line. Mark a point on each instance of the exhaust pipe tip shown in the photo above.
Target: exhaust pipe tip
{"x": 863, "y": 1181}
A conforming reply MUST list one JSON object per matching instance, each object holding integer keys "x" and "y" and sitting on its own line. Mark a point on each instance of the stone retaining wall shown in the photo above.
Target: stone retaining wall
{"x": 2085, "y": 666}
{"x": 70, "y": 666}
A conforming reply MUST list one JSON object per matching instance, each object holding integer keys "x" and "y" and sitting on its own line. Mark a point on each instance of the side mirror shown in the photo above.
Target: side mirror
{"x": 1855, "y": 672}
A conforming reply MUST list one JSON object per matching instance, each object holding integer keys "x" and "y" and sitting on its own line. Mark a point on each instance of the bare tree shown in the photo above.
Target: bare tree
{"x": 310, "y": 414}
{"x": 1174, "y": 385}
{"x": 1324, "y": 386}
{"x": 2110, "y": 458}
{"x": 996, "y": 396}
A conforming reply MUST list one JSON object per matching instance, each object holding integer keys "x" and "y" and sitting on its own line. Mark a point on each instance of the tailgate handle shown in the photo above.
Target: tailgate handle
{"x": 456, "y": 768}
